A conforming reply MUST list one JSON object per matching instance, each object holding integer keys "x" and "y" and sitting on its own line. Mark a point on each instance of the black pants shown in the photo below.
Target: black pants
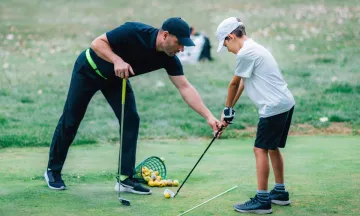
{"x": 205, "y": 53}
{"x": 84, "y": 84}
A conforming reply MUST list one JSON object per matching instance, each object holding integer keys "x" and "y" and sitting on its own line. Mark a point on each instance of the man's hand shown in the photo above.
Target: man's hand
{"x": 101, "y": 47}
{"x": 214, "y": 124}
{"x": 123, "y": 69}
{"x": 228, "y": 115}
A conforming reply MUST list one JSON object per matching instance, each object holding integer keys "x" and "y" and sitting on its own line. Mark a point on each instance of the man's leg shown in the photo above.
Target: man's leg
{"x": 80, "y": 93}
{"x": 112, "y": 93}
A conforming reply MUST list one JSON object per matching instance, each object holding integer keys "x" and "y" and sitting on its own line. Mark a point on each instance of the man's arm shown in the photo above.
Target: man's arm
{"x": 193, "y": 99}
{"x": 102, "y": 48}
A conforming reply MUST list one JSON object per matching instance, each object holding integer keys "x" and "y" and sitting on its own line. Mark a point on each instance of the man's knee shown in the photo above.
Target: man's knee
{"x": 133, "y": 118}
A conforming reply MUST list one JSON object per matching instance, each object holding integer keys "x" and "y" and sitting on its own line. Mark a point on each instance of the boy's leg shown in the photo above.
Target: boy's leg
{"x": 80, "y": 93}
{"x": 262, "y": 168}
{"x": 261, "y": 203}
{"x": 279, "y": 195}
{"x": 277, "y": 165}
{"x": 270, "y": 136}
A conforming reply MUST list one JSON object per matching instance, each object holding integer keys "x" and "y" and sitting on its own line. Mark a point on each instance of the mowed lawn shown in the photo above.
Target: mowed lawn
{"x": 322, "y": 176}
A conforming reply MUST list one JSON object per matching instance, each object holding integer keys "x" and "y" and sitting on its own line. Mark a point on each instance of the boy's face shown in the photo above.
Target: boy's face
{"x": 232, "y": 44}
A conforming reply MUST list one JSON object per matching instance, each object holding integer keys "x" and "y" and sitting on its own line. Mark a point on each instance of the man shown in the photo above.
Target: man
{"x": 129, "y": 50}
{"x": 257, "y": 72}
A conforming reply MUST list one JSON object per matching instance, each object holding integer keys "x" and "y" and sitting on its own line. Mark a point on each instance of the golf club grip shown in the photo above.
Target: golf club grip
{"x": 217, "y": 133}
{"x": 123, "y": 92}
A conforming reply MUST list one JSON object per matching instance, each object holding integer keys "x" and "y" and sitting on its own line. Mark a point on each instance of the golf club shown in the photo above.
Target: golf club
{"x": 215, "y": 136}
{"x": 123, "y": 93}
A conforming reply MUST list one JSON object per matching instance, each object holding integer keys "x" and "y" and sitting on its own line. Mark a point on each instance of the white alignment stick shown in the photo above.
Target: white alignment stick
{"x": 209, "y": 200}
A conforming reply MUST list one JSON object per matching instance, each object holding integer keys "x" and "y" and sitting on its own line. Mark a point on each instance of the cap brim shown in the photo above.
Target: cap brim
{"x": 221, "y": 45}
{"x": 186, "y": 41}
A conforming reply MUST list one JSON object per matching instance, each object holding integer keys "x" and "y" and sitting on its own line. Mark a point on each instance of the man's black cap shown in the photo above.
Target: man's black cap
{"x": 179, "y": 28}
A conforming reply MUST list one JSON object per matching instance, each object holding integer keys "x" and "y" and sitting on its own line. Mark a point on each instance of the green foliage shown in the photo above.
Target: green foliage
{"x": 345, "y": 88}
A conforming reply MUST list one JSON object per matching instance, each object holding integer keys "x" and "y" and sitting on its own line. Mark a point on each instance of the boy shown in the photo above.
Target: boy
{"x": 257, "y": 72}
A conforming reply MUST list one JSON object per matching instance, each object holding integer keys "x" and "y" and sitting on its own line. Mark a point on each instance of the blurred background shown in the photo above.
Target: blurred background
{"x": 316, "y": 44}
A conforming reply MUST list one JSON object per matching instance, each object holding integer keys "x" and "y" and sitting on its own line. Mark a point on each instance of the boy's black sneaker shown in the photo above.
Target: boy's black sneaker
{"x": 279, "y": 198}
{"x": 254, "y": 205}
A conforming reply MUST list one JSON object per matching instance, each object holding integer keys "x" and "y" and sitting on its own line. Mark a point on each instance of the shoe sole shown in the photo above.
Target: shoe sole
{"x": 130, "y": 190}
{"x": 282, "y": 203}
{"x": 47, "y": 181}
{"x": 258, "y": 211}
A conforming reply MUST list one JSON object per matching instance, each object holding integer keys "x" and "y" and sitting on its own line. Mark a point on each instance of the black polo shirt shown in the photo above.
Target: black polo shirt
{"x": 135, "y": 43}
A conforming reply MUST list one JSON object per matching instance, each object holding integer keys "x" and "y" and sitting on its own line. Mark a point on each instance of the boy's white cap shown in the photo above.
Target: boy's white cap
{"x": 225, "y": 28}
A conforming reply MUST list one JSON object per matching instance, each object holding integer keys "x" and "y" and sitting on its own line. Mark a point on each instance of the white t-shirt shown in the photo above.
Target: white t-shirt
{"x": 263, "y": 81}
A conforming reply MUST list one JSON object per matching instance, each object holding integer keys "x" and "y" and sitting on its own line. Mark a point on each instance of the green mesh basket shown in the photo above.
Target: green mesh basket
{"x": 153, "y": 163}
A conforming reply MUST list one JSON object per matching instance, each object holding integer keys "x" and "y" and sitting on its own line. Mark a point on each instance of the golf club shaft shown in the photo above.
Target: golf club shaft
{"x": 209, "y": 200}
{"x": 216, "y": 135}
{"x": 123, "y": 93}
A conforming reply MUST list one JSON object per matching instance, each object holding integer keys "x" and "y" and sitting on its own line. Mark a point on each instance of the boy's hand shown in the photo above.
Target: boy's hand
{"x": 228, "y": 115}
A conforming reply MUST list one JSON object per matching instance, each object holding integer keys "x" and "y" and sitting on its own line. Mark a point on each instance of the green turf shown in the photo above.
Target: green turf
{"x": 315, "y": 43}
{"x": 322, "y": 177}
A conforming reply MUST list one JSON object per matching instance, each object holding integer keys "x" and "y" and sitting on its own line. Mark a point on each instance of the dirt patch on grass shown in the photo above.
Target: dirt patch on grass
{"x": 333, "y": 128}
{"x": 307, "y": 129}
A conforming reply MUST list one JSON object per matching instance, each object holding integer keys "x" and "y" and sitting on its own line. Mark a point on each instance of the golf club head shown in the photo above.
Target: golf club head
{"x": 124, "y": 202}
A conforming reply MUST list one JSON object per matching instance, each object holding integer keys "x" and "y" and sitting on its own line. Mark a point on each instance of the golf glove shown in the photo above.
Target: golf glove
{"x": 229, "y": 114}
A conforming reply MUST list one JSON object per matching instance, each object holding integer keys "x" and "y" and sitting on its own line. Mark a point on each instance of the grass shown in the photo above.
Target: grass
{"x": 315, "y": 43}
{"x": 321, "y": 176}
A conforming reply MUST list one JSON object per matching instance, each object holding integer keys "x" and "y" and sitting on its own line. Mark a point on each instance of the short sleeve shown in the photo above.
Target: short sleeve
{"x": 245, "y": 64}
{"x": 174, "y": 67}
{"x": 119, "y": 36}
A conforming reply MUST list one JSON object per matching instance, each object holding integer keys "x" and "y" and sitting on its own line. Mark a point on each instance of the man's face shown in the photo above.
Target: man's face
{"x": 171, "y": 45}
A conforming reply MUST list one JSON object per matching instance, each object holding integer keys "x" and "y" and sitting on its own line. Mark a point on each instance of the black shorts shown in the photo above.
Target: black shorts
{"x": 272, "y": 131}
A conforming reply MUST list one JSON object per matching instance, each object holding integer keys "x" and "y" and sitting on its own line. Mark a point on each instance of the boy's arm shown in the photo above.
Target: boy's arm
{"x": 239, "y": 92}
{"x": 233, "y": 95}
{"x": 233, "y": 91}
